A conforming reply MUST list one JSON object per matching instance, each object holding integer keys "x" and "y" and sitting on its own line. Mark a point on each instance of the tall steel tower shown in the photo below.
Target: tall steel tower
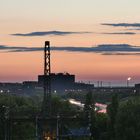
{"x": 46, "y": 109}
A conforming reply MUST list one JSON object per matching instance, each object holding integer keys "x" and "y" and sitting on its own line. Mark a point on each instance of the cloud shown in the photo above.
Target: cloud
{"x": 3, "y": 47}
{"x": 101, "y": 48}
{"x": 122, "y": 24}
{"x": 105, "y": 49}
{"x": 120, "y": 53}
{"x": 120, "y": 33}
{"x": 133, "y": 29}
{"x": 45, "y": 33}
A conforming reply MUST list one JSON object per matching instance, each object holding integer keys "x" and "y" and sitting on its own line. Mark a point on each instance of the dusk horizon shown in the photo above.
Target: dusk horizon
{"x": 69, "y": 69}
{"x": 91, "y": 39}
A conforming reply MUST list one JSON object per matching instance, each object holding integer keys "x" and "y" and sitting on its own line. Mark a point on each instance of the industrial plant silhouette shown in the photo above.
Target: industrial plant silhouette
{"x": 47, "y": 125}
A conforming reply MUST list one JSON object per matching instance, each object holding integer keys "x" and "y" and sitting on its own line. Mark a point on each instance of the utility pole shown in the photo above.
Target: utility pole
{"x": 57, "y": 128}
{"x": 6, "y": 123}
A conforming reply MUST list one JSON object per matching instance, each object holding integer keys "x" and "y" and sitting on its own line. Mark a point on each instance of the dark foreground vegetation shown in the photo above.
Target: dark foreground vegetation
{"x": 121, "y": 122}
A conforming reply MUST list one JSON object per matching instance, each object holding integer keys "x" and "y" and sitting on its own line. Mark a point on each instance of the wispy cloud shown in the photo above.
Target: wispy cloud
{"x": 122, "y": 24}
{"x": 133, "y": 29}
{"x": 120, "y": 33}
{"x": 106, "y": 49}
{"x": 4, "y": 47}
{"x": 121, "y": 53}
{"x": 45, "y": 33}
{"x": 101, "y": 48}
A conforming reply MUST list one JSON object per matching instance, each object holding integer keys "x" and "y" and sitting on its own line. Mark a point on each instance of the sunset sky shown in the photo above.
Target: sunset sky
{"x": 70, "y": 23}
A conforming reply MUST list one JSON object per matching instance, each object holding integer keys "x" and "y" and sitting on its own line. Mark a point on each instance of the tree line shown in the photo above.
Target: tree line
{"x": 121, "y": 122}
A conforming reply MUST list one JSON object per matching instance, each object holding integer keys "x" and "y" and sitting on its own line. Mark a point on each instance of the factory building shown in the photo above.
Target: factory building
{"x": 59, "y": 82}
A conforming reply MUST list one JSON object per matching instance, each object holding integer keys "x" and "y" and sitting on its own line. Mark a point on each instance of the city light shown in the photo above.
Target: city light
{"x": 129, "y": 78}
{"x": 1, "y": 91}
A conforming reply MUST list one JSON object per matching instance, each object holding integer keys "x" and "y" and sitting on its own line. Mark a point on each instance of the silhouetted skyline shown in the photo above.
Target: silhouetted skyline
{"x": 95, "y": 40}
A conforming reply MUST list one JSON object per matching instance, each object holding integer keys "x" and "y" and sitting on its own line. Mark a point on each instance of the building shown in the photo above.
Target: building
{"x": 11, "y": 88}
{"x": 29, "y": 87}
{"x": 59, "y": 82}
{"x": 83, "y": 86}
{"x": 137, "y": 86}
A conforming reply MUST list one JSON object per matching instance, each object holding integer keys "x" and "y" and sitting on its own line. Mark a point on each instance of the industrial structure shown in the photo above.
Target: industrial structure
{"x": 47, "y": 126}
{"x": 59, "y": 82}
{"x": 46, "y": 106}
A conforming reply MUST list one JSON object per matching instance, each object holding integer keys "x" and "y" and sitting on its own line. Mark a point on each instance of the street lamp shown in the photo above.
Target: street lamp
{"x": 128, "y": 81}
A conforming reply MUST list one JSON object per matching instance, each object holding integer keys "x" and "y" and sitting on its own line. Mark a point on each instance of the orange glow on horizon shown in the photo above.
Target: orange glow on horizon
{"x": 86, "y": 66}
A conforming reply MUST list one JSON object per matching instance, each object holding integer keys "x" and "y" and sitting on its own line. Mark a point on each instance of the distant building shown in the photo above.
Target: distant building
{"x": 137, "y": 89}
{"x": 83, "y": 86}
{"x": 137, "y": 86}
{"x": 59, "y": 82}
{"x": 10, "y": 88}
{"x": 29, "y": 86}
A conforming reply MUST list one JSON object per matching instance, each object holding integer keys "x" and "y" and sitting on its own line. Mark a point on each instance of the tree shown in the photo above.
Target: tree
{"x": 89, "y": 103}
{"x": 17, "y": 107}
{"x": 128, "y": 120}
{"x": 101, "y": 125}
{"x": 89, "y": 110}
{"x": 112, "y": 110}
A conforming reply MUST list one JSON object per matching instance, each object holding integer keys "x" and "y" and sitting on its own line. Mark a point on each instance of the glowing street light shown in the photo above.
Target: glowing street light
{"x": 128, "y": 80}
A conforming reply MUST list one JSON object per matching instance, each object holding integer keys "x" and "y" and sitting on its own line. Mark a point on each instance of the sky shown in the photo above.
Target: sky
{"x": 70, "y": 23}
